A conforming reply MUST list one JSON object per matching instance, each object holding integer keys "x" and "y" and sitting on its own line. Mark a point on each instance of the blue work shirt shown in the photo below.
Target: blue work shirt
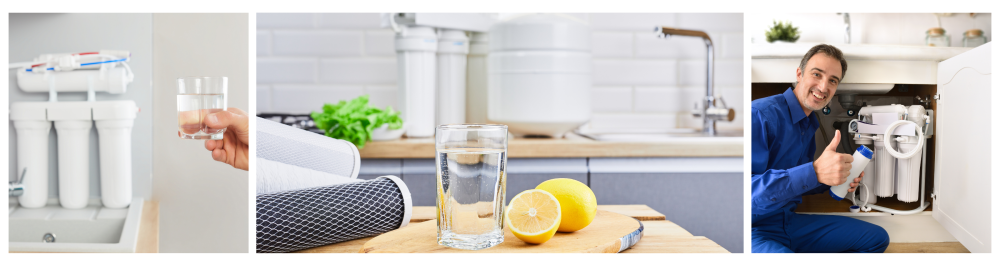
{"x": 783, "y": 143}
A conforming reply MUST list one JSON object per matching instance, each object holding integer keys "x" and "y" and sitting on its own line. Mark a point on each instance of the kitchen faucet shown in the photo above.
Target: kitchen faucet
{"x": 708, "y": 110}
{"x": 16, "y": 189}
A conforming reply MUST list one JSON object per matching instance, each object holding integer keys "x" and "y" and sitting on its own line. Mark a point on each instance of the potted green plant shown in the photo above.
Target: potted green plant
{"x": 782, "y": 32}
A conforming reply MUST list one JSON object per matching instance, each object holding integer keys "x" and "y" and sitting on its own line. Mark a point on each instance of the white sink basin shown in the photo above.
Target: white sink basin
{"x": 91, "y": 229}
{"x": 677, "y": 135}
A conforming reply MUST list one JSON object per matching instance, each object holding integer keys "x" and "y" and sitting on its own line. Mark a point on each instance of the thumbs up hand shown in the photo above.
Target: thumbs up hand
{"x": 831, "y": 167}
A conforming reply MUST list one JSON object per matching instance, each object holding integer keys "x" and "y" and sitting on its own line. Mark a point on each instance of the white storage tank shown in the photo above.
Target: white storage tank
{"x": 539, "y": 74}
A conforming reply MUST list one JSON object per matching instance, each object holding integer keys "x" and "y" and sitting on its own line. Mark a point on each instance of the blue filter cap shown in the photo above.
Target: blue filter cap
{"x": 865, "y": 151}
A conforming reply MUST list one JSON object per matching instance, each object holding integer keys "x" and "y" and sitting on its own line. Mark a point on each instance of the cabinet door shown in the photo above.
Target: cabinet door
{"x": 962, "y": 171}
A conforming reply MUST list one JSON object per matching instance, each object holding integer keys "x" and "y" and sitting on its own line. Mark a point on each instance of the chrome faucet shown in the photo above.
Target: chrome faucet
{"x": 708, "y": 111}
{"x": 847, "y": 27}
{"x": 16, "y": 189}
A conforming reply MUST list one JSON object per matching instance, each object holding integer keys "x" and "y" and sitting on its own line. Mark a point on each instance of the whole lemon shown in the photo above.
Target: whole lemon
{"x": 577, "y": 201}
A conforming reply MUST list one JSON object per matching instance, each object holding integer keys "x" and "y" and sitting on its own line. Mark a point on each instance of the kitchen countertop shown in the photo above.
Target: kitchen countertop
{"x": 659, "y": 236}
{"x": 575, "y": 147}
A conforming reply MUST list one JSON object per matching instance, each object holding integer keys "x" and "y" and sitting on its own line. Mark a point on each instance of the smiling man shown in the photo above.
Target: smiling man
{"x": 784, "y": 142}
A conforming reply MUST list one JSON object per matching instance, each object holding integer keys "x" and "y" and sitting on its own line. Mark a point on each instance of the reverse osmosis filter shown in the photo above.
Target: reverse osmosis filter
{"x": 300, "y": 219}
{"x": 290, "y": 158}
{"x": 453, "y": 47}
{"x": 114, "y": 121}
{"x": 73, "y": 141}
{"x": 416, "y": 67}
{"x": 861, "y": 158}
{"x": 32, "y": 157}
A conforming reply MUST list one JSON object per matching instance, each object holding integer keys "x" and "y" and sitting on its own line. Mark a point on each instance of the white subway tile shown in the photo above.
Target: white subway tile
{"x": 727, "y": 72}
{"x": 371, "y": 70}
{"x": 317, "y": 43}
{"x": 611, "y": 99}
{"x": 263, "y": 42}
{"x": 731, "y": 45}
{"x": 380, "y": 43}
{"x": 674, "y": 47}
{"x": 303, "y": 99}
{"x": 611, "y": 44}
{"x": 263, "y": 98}
{"x": 637, "y": 122}
{"x": 382, "y": 96}
{"x": 285, "y": 20}
{"x": 286, "y": 70}
{"x": 631, "y": 21}
{"x": 667, "y": 99}
{"x": 710, "y": 22}
{"x": 733, "y": 96}
{"x": 634, "y": 72}
{"x": 350, "y": 20}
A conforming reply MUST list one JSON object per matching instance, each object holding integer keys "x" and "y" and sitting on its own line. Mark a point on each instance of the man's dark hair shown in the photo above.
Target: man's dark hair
{"x": 828, "y": 50}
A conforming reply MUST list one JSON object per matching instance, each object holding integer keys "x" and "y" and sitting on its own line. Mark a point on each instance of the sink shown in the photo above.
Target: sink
{"x": 91, "y": 229}
{"x": 676, "y": 135}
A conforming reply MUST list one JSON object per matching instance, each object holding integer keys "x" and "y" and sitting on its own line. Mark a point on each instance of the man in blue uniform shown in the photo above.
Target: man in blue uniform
{"x": 784, "y": 128}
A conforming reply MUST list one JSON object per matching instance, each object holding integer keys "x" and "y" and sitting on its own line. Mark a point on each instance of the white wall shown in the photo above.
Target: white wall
{"x": 641, "y": 82}
{"x": 871, "y": 28}
{"x": 203, "y": 203}
{"x": 34, "y": 34}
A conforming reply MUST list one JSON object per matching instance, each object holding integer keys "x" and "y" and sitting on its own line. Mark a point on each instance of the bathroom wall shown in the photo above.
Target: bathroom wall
{"x": 640, "y": 82}
{"x": 34, "y": 34}
{"x": 869, "y": 28}
{"x": 203, "y": 203}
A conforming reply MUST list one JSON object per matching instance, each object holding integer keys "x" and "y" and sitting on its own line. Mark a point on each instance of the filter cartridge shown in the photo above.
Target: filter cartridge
{"x": 33, "y": 155}
{"x": 300, "y": 219}
{"x": 861, "y": 158}
{"x": 73, "y": 139}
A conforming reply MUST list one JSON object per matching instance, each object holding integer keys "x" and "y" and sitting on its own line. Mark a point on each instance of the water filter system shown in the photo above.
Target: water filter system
{"x": 899, "y": 134}
{"x": 861, "y": 158}
{"x": 91, "y": 72}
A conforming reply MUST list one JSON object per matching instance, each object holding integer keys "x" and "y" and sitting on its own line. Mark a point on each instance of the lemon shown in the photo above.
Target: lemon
{"x": 533, "y": 216}
{"x": 578, "y": 203}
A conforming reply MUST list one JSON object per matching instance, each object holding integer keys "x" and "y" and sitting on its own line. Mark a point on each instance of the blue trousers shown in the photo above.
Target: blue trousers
{"x": 788, "y": 232}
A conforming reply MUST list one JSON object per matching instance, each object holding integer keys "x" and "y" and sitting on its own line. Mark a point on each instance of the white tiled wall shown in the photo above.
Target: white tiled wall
{"x": 639, "y": 81}
{"x": 868, "y": 28}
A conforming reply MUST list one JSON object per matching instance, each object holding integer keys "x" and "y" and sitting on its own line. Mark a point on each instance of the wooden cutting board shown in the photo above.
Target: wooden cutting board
{"x": 606, "y": 234}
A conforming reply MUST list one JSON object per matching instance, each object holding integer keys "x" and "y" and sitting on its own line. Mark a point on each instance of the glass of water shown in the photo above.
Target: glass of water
{"x": 198, "y": 96}
{"x": 471, "y": 184}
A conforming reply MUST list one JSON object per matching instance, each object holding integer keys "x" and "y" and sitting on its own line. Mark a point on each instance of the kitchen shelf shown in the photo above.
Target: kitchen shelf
{"x": 537, "y": 148}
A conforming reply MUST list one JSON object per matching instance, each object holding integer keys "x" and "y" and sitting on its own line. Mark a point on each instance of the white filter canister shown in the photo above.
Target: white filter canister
{"x": 416, "y": 48}
{"x": 114, "y": 81}
{"x": 115, "y": 143}
{"x": 475, "y": 91}
{"x": 33, "y": 155}
{"x": 861, "y": 158}
{"x": 453, "y": 47}
{"x": 73, "y": 139}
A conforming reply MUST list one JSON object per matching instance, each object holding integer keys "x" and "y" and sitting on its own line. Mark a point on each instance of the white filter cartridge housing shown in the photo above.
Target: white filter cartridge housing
{"x": 475, "y": 91}
{"x": 908, "y": 172}
{"x": 114, "y": 120}
{"x": 861, "y": 159}
{"x": 33, "y": 155}
{"x": 416, "y": 48}
{"x": 453, "y": 47}
{"x": 871, "y": 183}
{"x": 73, "y": 140}
{"x": 886, "y": 171}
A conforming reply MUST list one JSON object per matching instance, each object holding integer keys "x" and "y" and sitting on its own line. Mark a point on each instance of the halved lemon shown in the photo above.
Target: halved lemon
{"x": 533, "y": 216}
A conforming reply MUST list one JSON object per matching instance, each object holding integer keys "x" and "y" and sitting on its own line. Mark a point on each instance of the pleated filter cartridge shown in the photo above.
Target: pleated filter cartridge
{"x": 308, "y": 194}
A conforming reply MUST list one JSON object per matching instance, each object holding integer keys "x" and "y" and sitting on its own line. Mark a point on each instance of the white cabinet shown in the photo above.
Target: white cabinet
{"x": 962, "y": 170}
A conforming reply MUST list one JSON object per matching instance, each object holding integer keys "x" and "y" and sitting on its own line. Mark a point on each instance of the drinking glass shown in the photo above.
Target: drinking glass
{"x": 198, "y": 96}
{"x": 471, "y": 184}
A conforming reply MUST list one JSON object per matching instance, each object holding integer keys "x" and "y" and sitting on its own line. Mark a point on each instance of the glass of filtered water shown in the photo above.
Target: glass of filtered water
{"x": 471, "y": 183}
{"x": 198, "y": 96}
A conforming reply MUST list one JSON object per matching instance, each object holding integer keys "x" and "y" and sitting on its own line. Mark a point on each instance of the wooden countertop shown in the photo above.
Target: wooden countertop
{"x": 149, "y": 228}
{"x": 659, "y": 236}
{"x": 579, "y": 147}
